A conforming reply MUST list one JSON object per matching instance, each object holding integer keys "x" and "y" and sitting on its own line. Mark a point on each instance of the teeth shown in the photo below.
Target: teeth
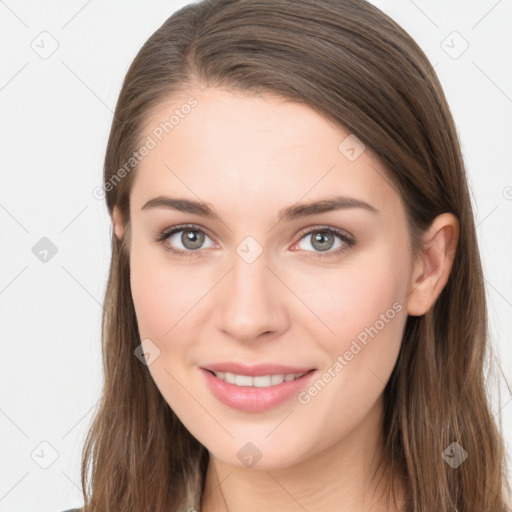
{"x": 262, "y": 381}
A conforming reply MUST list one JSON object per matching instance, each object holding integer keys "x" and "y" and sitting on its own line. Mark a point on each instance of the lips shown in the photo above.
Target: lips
{"x": 253, "y": 398}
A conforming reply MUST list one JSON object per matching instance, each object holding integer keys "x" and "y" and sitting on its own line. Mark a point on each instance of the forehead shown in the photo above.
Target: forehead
{"x": 257, "y": 150}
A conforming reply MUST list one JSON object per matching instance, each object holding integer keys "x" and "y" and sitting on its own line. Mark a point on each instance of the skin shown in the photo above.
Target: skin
{"x": 249, "y": 156}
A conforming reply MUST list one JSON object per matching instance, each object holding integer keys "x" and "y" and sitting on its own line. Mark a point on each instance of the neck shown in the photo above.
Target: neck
{"x": 342, "y": 478}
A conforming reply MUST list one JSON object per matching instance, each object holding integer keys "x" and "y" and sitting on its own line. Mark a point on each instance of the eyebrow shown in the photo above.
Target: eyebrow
{"x": 295, "y": 211}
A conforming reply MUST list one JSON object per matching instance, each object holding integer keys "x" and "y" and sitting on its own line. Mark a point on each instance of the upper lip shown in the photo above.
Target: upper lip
{"x": 255, "y": 370}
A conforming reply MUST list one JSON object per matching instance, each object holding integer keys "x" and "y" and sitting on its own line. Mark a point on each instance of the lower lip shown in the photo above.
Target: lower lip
{"x": 252, "y": 399}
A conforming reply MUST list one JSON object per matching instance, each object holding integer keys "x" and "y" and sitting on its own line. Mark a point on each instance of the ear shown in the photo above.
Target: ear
{"x": 118, "y": 223}
{"x": 432, "y": 268}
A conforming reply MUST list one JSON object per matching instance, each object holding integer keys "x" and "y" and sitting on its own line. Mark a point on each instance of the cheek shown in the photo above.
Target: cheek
{"x": 363, "y": 305}
{"x": 352, "y": 298}
{"x": 163, "y": 294}
{"x": 164, "y": 298}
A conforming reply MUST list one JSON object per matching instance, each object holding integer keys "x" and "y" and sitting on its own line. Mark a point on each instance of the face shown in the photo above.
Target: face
{"x": 324, "y": 293}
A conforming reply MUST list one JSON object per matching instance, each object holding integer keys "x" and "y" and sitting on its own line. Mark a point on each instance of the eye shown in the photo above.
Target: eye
{"x": 322, "y": 239}
{"x": 191, "y": 239}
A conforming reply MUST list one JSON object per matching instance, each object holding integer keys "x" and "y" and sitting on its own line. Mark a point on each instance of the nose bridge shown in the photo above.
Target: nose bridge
{"x": 250, "y": 301}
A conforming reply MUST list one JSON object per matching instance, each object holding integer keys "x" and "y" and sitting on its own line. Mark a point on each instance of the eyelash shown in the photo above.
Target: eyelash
{"x": 346, "y": 239}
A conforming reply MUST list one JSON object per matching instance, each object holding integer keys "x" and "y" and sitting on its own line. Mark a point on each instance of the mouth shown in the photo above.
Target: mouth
{"x": 256, "y": 393}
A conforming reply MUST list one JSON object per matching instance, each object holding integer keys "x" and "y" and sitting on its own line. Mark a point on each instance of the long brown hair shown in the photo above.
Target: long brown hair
{"x": 356, "y": 67}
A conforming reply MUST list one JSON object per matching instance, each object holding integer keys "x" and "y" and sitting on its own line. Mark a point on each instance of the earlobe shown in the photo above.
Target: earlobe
{"x": 118, "y": 224}
{"x": 432, "y": 269}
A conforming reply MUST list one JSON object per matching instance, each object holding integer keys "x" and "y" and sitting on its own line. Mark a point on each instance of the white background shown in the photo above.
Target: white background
{"x": 54, "y": 123}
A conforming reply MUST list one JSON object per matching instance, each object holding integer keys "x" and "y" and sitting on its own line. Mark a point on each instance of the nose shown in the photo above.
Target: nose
{"x": 251, "y": 301}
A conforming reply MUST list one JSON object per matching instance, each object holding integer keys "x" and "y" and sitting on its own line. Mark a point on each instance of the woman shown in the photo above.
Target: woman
{"x": 295, "y": 314}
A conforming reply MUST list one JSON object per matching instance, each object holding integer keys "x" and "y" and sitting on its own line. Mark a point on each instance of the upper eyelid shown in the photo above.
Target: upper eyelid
{"x": 183, "y": 227}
